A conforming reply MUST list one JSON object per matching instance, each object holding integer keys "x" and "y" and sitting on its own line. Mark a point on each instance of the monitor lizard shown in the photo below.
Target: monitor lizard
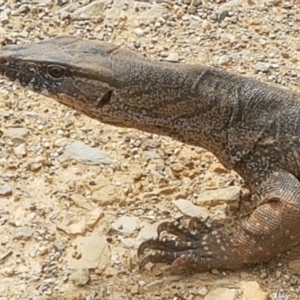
{"x": 252, "y": 128}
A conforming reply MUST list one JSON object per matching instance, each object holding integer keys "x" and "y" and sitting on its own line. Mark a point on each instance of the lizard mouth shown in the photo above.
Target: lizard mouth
{"x": 13, "y": 69}
{"x": 14, "y": 73}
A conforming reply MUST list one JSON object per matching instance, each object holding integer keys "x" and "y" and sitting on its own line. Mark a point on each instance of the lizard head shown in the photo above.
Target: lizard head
{"x": 104, "y": 81}
{"x": 75, "y": 72}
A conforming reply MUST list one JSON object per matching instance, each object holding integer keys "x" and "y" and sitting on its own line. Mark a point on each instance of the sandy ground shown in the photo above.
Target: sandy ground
{"x": 69, "y": 229}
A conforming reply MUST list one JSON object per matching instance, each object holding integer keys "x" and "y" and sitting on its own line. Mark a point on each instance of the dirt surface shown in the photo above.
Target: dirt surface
{"x": 71, "y": 221}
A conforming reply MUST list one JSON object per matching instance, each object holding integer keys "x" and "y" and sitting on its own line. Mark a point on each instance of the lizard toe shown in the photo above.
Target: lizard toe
{"x": 203, "y": 226}
{"x": 191, "y": 261}
{"x": 178, "y": 229}
{"x": 164, "y": 244}
{"x": 148, "y": 244}
{"x": 180, "y": 260}
{"x": 158, "y": 256}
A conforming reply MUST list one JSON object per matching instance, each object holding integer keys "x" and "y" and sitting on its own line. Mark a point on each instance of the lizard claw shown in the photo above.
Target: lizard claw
{"x": 164, "y": 244}
{"x": 188, "y": 250}
{"x": 178, "y": 229}
{"x": 152, "y": 243}
{"x": 157, "y": 256}
{"x": 185, "y": 260}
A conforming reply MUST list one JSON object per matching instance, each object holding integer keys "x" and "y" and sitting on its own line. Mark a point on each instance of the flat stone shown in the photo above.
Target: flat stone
{"x": 94, "y": 253}
{"x": 219, "y": 196}
{"x": 154, "y": 13}
{"x": 4, "y": 19}
{"x": 128, "y": 242}
{"x": 155, "y": 285}
{"x": 190, "y": 209}
{"x": 17, "y": 134}
{"x": 42, "y": 2}
{"x": 196, "y": 2}
{"x": 172, "y": 57}
{"x": 202, "y": 290}
{"x": 168, "y": 190}
{"x": 294, "y": 266}
{"x": 252, "y": 291}
{"x": 221, "y": 293}
{"x": 59, "y": 245}
{"x": 221, "y": 14}
{"x": 35, "y": 166}
{"x": 152, "y": 154}
{"x": 262, "y": 67}
{"x": 23, "y": 233}
{"x": 91, "y": 10}
{"x": 93, "y": 217}
{"x": 125, "y": 224}
{"x": 99, "y": 182}
{"x": 223, "y": 60}
{"x": 73, "y": 224}
{"x": 85, "y": 154}
{"x": 139, "y": 31}
{"x": 81, "y": 201}
{"x": 105, "y": 196}
{"x": 80, "y": 276}
{"x": 20, "y": 150}
{"x": 5, "y": 190}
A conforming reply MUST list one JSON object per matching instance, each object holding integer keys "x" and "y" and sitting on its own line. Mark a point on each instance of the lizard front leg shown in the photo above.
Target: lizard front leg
{"x": 272, "y": 228}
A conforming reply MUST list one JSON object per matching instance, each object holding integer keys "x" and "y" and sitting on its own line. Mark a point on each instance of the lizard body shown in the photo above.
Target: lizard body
{"x": 251, "y": 127}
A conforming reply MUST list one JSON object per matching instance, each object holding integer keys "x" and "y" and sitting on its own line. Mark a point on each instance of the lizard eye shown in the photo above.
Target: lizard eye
{"x": 56, "y": 71}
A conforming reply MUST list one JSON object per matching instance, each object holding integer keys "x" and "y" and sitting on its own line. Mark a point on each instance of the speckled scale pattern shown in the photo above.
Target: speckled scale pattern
{"x": 251, "y": 127}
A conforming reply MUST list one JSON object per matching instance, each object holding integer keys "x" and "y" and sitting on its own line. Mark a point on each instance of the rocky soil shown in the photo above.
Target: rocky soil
{"x": 77, "y": 197}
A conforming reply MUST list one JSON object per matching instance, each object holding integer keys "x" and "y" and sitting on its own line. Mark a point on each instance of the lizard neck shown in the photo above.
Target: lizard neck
{"x": 184, "y": 102}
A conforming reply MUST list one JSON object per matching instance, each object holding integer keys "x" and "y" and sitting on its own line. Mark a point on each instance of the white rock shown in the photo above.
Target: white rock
{"x": 221, "y": 293}
{"x": 20, "y": 150}
{"x": 125, "y": 224}
{"x": 85, "y": 154}
{"x": 94, "y": 253}
{"x": 80, "y": 276}
{"x": 15, "y": 133}
{"x": 252, "y": 291}
{"x": 219, "y": 196}
{"x": 5, "y": 190}
{"x": 189, "y": 209}
{"x": 139, "y": 31}
{"x": 92, "y": 10}
{"x": 262, "y": 67}
{"x": 172, "y": 57}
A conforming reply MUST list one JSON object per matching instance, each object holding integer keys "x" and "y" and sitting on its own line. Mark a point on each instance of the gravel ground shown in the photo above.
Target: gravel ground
{"x": 70, "y": 223}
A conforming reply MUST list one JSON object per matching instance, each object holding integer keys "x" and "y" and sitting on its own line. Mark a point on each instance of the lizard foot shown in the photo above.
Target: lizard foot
{"x": 272, "y": 228}
{"x": 184, "y": 253}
